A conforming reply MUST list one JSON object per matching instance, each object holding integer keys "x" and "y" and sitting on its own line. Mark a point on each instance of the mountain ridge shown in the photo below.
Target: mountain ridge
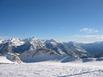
{"x": 34, "y": 49}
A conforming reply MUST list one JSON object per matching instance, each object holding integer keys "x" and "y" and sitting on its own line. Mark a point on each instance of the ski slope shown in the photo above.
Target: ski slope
{"x": 52, "y": 69}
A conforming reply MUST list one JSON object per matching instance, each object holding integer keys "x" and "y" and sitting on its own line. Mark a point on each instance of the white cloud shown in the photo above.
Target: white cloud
{"x": 88, "y": 30}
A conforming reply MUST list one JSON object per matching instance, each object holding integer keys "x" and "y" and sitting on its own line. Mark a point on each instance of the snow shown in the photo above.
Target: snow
{"x": 52, "y": 69}
{"x": 16, "y": 42}
{"x": 4, "y": 60}
{"x": 1, "y": 40}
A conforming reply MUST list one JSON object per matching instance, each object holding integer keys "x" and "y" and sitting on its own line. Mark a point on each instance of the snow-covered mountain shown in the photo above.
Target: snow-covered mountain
{"x": 34, "y": 49}
{"x": 94, "y": 49}
{"x": 1, "y": 40}
{"x": 16, "y": 42}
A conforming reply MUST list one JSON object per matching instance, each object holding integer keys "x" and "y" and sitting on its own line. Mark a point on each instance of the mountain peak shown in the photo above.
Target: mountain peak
{"x": 16, "y": 41}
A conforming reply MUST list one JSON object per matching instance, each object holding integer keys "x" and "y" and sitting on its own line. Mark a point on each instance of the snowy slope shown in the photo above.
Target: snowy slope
{"x": 52, "y": 69}
{"x": 4, "y": 60}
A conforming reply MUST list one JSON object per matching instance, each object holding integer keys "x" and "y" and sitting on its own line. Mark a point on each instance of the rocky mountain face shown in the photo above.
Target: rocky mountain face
{"x": 32, "y": 49}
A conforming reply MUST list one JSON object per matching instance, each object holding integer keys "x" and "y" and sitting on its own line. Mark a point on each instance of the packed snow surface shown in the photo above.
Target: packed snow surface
{"x": 53, "y": 69}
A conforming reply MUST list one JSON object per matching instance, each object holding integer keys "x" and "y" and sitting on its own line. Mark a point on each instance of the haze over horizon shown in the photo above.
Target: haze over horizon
{"x": 75, "y": 20}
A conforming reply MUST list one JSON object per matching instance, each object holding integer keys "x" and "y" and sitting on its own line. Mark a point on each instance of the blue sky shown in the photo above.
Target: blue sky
{"x": 60, "y": 19}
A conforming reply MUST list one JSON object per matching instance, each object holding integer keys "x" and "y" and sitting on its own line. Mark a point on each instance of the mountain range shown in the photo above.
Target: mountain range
{"x": 34, "y": 50}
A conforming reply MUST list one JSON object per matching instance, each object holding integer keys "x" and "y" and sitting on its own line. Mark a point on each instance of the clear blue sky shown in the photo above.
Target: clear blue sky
{"x": 45, "y": 19}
